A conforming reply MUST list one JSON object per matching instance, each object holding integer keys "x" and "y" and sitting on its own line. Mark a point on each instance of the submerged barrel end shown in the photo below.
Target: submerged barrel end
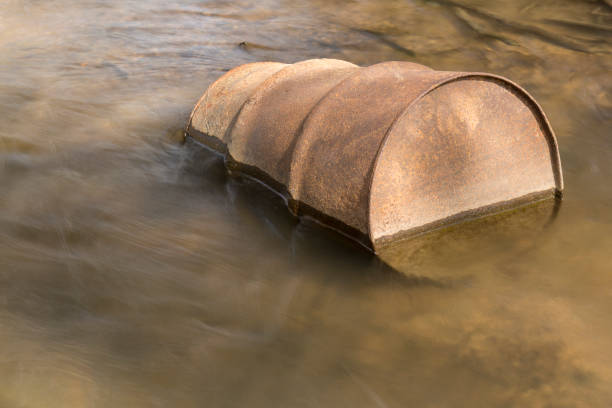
{"x": 470, "y": 146}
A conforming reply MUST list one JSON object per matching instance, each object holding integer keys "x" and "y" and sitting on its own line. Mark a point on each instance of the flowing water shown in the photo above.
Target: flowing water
{"x": 135, "y": 273}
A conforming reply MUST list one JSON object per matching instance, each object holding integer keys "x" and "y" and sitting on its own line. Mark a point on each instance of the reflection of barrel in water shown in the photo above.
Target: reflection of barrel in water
{"x": 442, "y": 252}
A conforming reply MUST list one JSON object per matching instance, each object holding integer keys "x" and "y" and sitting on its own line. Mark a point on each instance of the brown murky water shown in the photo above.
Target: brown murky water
{"x": 135, "y": 273}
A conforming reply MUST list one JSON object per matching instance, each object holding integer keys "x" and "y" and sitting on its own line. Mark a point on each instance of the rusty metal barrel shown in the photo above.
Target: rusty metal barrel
{"x": 384, "y": 151}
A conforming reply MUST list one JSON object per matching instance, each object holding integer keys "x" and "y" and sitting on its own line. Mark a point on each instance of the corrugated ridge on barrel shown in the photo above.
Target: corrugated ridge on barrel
{"x": 215, "y": 111}
{"x": 267, "y": 126}
{"x": 340, "y": 138}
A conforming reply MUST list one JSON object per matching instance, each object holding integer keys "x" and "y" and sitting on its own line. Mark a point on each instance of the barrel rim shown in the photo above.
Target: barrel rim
{"x": 520, "y": 92}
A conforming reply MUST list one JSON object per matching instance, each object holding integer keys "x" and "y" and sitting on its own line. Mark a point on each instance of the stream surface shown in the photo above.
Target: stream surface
{"x": 134, "y": 272}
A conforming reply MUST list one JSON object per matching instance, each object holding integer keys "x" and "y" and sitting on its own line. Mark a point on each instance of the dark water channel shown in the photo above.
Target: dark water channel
{"x": 135, "y": 273}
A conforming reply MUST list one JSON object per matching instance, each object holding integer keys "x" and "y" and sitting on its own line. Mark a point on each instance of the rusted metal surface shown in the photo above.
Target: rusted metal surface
{"x": 217, "y": 108}
{"x": 264, "y": 133}
{"x": 384, "y": 151}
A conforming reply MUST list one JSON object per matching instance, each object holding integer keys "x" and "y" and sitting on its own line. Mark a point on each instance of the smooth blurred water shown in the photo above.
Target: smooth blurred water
{"x": 135, "y": 273}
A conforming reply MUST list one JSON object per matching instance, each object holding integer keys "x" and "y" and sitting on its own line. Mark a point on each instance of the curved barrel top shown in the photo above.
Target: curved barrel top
{"x": 383, "y": 151}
